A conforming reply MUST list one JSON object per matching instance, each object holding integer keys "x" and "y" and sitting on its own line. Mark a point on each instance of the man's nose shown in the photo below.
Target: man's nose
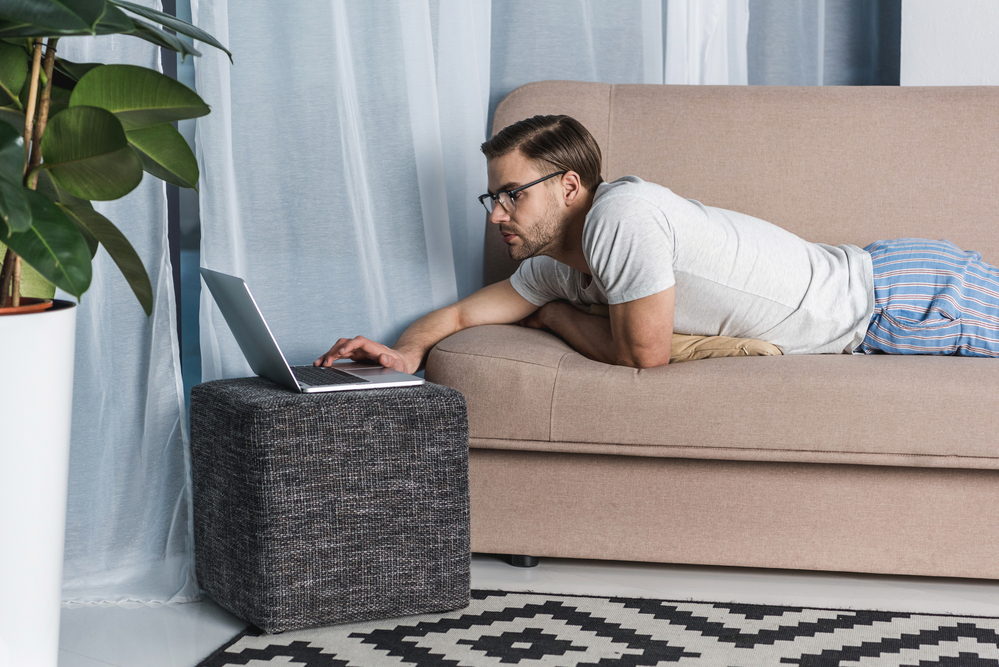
{"x": 499, "y": 214}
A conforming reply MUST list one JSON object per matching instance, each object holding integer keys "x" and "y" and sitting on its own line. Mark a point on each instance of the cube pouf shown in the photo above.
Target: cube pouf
{"x": 324, "y": 508}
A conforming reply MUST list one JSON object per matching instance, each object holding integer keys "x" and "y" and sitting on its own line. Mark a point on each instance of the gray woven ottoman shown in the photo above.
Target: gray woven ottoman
{"x": 315, "y": 509}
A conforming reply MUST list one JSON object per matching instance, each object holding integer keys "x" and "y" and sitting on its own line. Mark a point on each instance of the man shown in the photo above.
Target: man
{"x": 660, "y": 262}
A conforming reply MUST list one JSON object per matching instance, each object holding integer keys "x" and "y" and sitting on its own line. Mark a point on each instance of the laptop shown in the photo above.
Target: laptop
{"x": 262, "y": 352}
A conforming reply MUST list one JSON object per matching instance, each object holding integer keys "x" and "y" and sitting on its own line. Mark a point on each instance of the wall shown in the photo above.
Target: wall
{"x": 953, "y": 43}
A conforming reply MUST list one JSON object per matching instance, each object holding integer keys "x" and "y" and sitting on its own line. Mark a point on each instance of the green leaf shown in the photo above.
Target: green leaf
{"x": 59, "y": 99}
{"x": 120, "y": 250}
{"x": 12, "y": 116}
{"x": 51, "y": 17}
{"x": 92, "y": 243}
{"x": 14, "y": 208}
{"x": 165, "y": 154}
{"x": 114, "y": 22}
{"x": 74, "y": 71}
{"x": 32, "y": 284}
{"x": 25, "y": 93}
{"x": 10, "y": 29}
{"x": 163, "y": 39}
{"x": 49, "y": 188}
{"x": 138, "y": 97}
{"x": 53, "y": 246}
{"x": 86, "y": 151}
{"x": 13, "y": 73}
{"x": 173, "y": 23}
{"x": 11, "y": 152}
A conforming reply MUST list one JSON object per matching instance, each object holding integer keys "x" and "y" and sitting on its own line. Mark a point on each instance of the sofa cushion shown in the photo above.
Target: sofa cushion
{"x": 527, "y": 389}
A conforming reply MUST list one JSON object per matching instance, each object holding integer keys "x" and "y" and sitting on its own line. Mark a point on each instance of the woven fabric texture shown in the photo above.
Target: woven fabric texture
{"x": 315, "y": 509}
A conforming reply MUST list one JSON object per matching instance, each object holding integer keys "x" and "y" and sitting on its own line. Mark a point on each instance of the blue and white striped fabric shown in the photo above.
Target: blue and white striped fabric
{"x": 931, "y": 297}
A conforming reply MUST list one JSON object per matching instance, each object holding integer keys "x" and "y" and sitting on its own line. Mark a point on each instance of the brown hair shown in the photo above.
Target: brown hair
{"x": 551, "y": 141}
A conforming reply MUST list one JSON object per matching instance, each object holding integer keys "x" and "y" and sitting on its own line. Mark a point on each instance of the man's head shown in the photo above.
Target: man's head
{"x": 534, "y": 220}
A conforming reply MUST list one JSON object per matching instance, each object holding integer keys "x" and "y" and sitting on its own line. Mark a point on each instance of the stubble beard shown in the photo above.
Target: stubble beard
{"x": 543, "y": 238}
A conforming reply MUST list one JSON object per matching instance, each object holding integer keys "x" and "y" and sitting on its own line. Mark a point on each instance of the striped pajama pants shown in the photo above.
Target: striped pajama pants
{"x": 931, "y": 297}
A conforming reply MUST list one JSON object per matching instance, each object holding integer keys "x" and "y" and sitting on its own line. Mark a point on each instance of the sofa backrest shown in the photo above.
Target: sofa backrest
{"x": 830, "y": 164}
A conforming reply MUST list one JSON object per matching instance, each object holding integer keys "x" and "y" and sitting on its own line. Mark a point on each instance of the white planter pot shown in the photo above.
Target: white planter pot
{"x": 36, "y": 394}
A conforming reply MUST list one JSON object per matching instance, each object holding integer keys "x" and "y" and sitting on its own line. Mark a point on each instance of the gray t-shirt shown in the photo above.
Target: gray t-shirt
{"x": 735, "y": 275}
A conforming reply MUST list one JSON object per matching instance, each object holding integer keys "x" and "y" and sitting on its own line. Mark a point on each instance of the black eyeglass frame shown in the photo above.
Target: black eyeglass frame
{"x": 511, "y": 193}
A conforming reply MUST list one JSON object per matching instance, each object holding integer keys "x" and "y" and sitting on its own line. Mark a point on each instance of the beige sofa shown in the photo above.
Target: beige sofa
{"x": 881, "y": 463}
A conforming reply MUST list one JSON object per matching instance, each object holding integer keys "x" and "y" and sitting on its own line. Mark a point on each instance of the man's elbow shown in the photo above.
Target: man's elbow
{"x": 643, "y": 359}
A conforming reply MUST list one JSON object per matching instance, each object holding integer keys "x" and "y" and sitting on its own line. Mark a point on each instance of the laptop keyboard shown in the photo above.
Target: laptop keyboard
{"x": 318, "y": 376}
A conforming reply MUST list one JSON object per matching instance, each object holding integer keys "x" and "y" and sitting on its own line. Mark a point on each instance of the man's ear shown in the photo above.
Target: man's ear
{"x": 572, "y": 187}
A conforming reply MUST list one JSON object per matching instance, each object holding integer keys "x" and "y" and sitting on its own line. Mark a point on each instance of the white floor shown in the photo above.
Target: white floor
{"x": 183, "y": 635}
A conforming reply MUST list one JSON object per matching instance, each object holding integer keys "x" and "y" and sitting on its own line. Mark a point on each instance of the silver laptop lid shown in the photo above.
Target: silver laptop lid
{"x": 249, "y": 328}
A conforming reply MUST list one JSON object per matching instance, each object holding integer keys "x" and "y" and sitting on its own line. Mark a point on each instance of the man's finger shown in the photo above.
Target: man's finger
{"x": 363, "y": 349}
{"x": 388, "y": 361}
{"x": 351, "y": 346}
{"x": 333, "y": 354}
{"x": 358, "y": 348}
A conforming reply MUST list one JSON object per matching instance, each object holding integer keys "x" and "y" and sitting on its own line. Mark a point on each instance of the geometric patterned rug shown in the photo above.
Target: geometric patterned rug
{"x": 501, "y": 628}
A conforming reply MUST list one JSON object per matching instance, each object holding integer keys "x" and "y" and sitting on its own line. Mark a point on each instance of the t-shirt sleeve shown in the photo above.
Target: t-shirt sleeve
{"x": 628, "y": 244}
{"x": 537, "y": 280}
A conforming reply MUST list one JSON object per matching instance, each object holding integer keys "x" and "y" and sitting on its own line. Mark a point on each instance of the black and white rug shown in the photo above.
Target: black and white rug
{"x": 501, "y": 628}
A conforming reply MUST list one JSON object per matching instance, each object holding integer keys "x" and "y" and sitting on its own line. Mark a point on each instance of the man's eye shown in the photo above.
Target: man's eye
{"x": 514, "y": 195}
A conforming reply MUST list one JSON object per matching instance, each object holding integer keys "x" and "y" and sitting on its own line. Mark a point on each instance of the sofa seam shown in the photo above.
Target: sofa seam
{"x": 551, "y": 404}
{"x": 493, "y": 356}
{"x": 744, "y": 449}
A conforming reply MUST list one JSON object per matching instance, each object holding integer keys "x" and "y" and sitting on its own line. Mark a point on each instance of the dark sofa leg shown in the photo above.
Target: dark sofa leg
{"x": 524, "y": 561}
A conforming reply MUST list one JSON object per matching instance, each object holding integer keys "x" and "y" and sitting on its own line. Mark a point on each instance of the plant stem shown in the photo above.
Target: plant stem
{"x": 15, "y": 291}
{"x": 29, "y": 114}
{"x": 43, "y": 111}
{"x": 10, "y": 276}
{"x": 5, "y": 277}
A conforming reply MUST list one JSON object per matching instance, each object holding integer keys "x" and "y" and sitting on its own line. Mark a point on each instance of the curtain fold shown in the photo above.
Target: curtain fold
{"x": 128, "y": 524}
{"x": 706, "y": 42}
{"x": 331, "y": 199}
{"x": 824, "y": 42}
{"x": 462, "y": 35}
{"x": 574, "y": 40}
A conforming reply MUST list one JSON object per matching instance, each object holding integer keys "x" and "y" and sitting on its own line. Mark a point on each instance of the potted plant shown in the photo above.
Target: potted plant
{"x": 70, "y": 133}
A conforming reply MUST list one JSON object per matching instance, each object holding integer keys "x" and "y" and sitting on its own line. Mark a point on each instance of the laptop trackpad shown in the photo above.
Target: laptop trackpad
{"x": 371, "y": 371}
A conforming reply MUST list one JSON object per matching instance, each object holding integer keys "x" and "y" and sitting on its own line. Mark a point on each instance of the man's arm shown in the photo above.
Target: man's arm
{"x": 495, "y": 304}
{"x": 637, "y": 334}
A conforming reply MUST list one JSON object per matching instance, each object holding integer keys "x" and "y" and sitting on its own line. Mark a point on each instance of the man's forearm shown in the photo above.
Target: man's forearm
{"x": 590, "y": 335}
{"x": 417, "y": 341}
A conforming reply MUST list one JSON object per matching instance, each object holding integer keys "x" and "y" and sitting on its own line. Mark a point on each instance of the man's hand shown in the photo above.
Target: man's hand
{"x": 362, "y": 349}
{"x": 495, "y": 304}
{"x": 536, "y": 320}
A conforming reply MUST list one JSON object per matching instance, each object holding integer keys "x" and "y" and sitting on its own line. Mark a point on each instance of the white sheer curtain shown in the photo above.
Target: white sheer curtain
{"x": 323, "y": 166}
{"x": 706, "y": 42}
{"x": 462, "y": 37}
{"x": 128, "y": 527}
{"x": 824, "y": 42}
{"x": 575, "y": 40}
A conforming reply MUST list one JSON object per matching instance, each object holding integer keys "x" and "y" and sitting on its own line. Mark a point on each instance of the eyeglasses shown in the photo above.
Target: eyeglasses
{"x": 508, "y": 198}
